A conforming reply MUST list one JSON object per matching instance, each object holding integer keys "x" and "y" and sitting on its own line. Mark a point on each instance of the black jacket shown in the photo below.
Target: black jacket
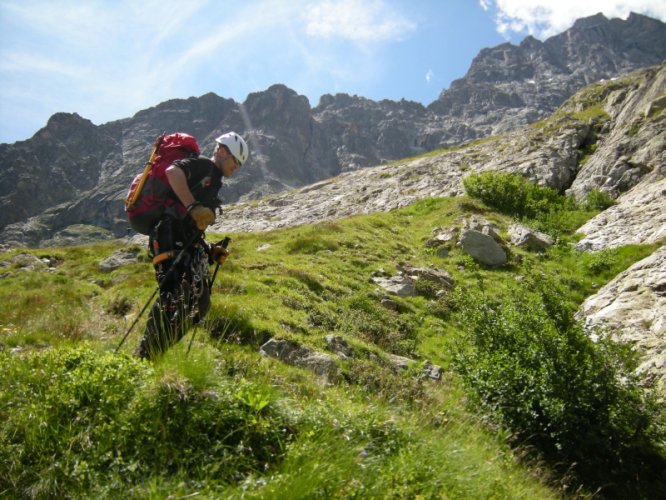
{"x": 204, "y": 180}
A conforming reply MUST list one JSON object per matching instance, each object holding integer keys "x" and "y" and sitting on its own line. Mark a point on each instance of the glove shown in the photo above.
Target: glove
{"x": 219, "y": 254}
{"x": 202, "y": 216}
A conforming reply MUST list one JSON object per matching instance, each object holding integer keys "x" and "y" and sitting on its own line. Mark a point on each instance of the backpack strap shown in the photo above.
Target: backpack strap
{"x": 130, "y": 201}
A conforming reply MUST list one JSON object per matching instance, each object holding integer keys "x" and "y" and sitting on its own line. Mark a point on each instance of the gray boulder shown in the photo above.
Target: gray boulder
{"x": 339, "y": 346}
{"x": 482, "y": 248}
{"x": 638, "y": 218}
{"x": 119, "y": 259}
{"x": 529, "y": 239}
{"x": 294, "y": 354}
{"x": 399, "y": 285}
{"x": 442, "y": 280}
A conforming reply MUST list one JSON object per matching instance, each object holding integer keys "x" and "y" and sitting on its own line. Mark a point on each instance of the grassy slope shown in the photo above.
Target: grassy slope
{"x": 377, "y": 432}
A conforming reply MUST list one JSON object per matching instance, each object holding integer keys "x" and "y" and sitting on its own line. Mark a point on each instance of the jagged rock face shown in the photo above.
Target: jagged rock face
{"x": 287, "y": 147}
{"x": 73, "y": 172}
{"x": 508, "y": 86}
{"x": 634, "y": 148}
{"x": 362, "y": 132}
{"x": 638, "y": 218}
{"x": 632, "y": 307}
{"x": 65, "y": 158}
{"x": 549, "y": 154}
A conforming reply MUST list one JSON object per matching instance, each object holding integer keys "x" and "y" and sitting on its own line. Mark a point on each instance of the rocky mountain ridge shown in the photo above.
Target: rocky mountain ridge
{"x": 295, "y": 145}
{"x": 610, "y": 137}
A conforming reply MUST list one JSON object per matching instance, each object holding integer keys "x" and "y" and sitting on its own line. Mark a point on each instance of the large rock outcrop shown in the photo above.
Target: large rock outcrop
{"x": 638, "y": 218}
{"x": 632, "y": 308}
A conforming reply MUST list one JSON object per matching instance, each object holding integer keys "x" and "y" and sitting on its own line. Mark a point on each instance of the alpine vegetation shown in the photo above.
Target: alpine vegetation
{"x": 346, "y": 359}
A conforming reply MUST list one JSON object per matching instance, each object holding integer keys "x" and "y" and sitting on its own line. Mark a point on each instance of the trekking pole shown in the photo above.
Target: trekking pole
{"x": 224, "y": 244}
{"x": 176, "y": 261}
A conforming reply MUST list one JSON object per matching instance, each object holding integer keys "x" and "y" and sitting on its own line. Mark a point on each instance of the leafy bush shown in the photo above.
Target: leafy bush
{"x": 597, "y": 199}
{"x": 512, "y": 194}
{"x": 79, "y": 420}
{"x": 367, "y": 319}
{"x": 599, "y": 262}
{"x": 541, "y": 207}
{"x": 576, "y": 402}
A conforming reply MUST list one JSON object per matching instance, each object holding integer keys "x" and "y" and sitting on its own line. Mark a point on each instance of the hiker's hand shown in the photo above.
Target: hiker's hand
{"x": 219, "y": 254}
{"x": 202, "y": 216}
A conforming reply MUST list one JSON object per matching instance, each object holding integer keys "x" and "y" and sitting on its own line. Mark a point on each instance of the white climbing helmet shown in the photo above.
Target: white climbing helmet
{"x": 236, "y": 144}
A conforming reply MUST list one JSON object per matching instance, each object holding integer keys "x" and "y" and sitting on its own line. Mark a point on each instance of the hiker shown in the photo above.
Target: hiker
{"x": 184, "y": 291}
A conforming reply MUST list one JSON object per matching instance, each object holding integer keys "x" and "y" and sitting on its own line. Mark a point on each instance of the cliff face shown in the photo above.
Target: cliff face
{"x": 508, "y": 86}
{"x": 73, "y": 172}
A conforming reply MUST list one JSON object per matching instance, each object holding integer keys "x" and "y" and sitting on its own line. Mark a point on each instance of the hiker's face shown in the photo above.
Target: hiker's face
{"x": 225, "y": 161}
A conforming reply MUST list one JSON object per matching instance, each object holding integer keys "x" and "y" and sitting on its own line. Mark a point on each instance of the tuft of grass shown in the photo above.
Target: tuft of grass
{"x": 83, "y": 419}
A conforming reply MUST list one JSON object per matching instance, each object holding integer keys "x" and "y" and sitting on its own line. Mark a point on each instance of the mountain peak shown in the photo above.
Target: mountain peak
{"x": 589, "y": 21}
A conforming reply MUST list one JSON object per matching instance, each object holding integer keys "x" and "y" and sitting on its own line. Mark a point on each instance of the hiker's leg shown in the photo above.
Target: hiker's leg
{"x": 165, "y": 322}
{"x": 199, "y": 282}
{"x": 153, "y": 342}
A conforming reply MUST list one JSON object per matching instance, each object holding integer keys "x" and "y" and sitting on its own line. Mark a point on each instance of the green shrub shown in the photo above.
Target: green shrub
{"x": 597, "y": 199}
{"x": 74, "y": 421}
{"x": 540, "y": 207}
{"x": 578, "y": 403}
{"x": 367, "y": 319}
{"x": 512, "y": 194}
{"x": 599, "y": 262}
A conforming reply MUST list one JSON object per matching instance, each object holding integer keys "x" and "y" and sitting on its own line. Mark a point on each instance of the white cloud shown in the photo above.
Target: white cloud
{"x": 429, "y": 75}
{"x": 544, "y": 18}
{"x": 356, "y": 20}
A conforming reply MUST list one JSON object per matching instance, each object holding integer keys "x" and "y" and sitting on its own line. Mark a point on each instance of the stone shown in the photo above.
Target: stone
{"x": 638, "y": 218}
{"x": 294, "y": 354}
{"x": 441, "y": 238}
{"x": 431, "y": 370}
{"x": 389, "y": 304}
{"x": 400, "y": 362}
{"x": 399, "y": 285}
{"x": 437, "y": 276}
{"x": 339, "y": 346}
{"x": 483, "y": 226}
{"x": 119, "y": 259}
{"x": 27, "y": 262}
{"x": 482, "y": 248}
{"x": 529, "y": 239}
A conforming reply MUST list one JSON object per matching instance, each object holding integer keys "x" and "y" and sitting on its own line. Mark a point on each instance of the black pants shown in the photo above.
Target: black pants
{"x": 184, "y": 295}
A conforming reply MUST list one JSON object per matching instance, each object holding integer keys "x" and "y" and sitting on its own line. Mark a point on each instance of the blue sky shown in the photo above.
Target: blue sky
{"x": 106, "y": 59}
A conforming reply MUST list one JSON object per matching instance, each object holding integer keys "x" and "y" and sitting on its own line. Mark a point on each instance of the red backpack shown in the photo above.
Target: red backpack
{"x": 150, "y": 195}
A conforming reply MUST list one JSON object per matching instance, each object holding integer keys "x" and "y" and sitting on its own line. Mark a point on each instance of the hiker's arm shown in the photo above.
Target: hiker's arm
{"x": 178, "y": 183}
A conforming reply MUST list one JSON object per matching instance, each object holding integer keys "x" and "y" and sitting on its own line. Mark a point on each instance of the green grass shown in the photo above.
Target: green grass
{"x": 223, "y": 421}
